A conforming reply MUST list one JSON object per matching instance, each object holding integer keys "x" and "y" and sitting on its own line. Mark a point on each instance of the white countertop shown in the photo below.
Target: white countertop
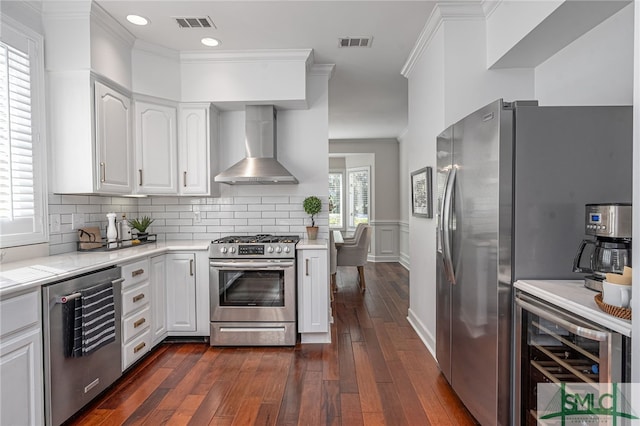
{"x": 20, "y": 276}
{"x": 573, "y": 296}
{"x": 319, "y": 244}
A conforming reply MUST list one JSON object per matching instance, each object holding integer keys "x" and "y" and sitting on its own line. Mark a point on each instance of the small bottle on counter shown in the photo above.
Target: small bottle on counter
{"x": 112, "y": 231}
{"x": 125, "y": 231}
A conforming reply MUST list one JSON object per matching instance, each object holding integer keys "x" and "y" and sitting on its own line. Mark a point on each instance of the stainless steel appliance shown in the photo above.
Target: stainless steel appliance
{"x": 512, "y": 182}
{"x": 610, "y": 250}
{"x": 555, "y": 346}
{"x": 81, "y": 358}
{"x": 253, "y": 291}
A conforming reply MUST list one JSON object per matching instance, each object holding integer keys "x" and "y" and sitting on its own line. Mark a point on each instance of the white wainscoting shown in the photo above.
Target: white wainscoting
{"x": 384, "y": 241}
{"x": 403, "y": 246}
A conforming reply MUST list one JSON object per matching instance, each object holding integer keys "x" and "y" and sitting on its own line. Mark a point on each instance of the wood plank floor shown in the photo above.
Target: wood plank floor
{"x": 376, "y": 371}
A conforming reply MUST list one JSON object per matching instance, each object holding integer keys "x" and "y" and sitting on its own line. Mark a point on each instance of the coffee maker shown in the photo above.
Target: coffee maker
{"x": 610, "y": 250}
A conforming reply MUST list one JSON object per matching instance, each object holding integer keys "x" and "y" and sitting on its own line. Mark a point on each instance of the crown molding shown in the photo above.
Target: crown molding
{"x": 112, "y": 26}
{"x": 490, "y": 6}
{"x": 442, "y": 12}
{"x": 322, "y": 69}
{"x": 66, "y": 9}
{"x": 274, "y": 55}
{"x": 156, "y": 49}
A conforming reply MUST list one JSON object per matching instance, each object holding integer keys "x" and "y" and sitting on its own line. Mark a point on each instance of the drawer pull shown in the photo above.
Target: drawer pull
{"x": 137, "y": 272}
{"x": 184, "y": 179}
{"x": 138, "y": 297}
{"x": 139, "y": 347}
{"x": 140, "y": 177}
{"x": 139, "y": 322}
{"x": 191, "y": 267}
{"x": 103, "y": 172}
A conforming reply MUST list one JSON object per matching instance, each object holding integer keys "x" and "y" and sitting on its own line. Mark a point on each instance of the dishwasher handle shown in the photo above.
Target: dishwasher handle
{"x": 65, "y": 299}
{"x": 579, "y": 330}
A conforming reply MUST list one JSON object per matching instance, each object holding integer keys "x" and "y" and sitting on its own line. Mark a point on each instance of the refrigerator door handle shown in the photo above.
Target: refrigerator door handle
{"x": 446, "y": 226}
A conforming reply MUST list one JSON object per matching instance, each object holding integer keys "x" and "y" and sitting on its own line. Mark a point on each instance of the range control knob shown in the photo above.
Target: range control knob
{"x": 278, "y": 249}
{"x": 223, "y": 250}
{"x": 287, "y": 249}
{"x": 232, "y": 249}
{"x": 269, "y": 249}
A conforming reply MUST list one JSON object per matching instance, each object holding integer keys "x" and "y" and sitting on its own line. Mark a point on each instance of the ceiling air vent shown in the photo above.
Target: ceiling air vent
{"x": 196, "y": 22}
{"x": 355, "y": 41}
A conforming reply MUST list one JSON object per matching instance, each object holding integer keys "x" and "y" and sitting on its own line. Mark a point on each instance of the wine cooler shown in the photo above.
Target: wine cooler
{"x": 553, "y": 345}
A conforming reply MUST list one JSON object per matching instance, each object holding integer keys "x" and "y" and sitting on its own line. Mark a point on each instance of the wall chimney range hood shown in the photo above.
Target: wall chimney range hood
{"x": 259, "y": 165}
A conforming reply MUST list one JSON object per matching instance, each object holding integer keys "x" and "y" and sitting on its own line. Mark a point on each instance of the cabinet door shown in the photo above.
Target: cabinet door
{"x": 194, "y": 150}
{"x": 313, "y": 292}
{"x": 156, "y": 149}
{"x": 21, "y": 397}
{"x": 158, "y": 299}
{"x": 181, "y": 292}
{"x": 113, "y": 140}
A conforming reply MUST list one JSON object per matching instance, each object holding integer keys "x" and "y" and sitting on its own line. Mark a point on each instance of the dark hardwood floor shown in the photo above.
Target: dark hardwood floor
{"x": 376, "y": 371}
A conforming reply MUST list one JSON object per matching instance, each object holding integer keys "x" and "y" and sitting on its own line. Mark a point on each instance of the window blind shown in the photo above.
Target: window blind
{"x": 17, "y": 199}
{"x": 335, "y": 200}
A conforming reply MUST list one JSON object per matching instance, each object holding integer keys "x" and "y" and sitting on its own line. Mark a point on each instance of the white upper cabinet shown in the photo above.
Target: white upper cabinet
{"x": 156, "y": 149}
{"x": 197, "y": 127}
{"x": 113, "y": 140}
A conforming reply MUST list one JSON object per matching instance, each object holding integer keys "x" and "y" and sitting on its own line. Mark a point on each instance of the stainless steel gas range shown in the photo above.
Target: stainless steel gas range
{"x": 253, "y": 290}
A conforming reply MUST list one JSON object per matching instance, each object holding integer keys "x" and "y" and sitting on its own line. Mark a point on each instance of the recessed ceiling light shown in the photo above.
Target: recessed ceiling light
{"x": 208, "y": 41}
{"x": 137, "y": 19}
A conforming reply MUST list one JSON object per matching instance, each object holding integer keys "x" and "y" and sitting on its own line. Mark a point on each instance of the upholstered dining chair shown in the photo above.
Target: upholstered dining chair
{"x": 333, "y": 265}
{"x": 356, "y": 254}
{"x": 352, "y": 239}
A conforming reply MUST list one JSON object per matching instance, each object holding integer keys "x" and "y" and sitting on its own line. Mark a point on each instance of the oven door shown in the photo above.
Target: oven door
{"x": 253, "y": 290}
{"x": 556, "y": 346}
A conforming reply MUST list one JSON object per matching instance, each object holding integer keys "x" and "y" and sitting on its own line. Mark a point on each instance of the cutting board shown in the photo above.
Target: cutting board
{"x": 89, "y": 238}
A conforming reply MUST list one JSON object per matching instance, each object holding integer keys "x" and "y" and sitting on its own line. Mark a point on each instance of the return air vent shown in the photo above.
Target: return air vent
{"x": 355, "y": 41}
{"x": 196, "y": 22}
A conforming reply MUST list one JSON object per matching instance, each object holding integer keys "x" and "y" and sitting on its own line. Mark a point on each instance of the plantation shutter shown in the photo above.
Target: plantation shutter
{"x": 335, "y": 200}
{"x": 17, "y": 199}
{"x": 358, "y": 196}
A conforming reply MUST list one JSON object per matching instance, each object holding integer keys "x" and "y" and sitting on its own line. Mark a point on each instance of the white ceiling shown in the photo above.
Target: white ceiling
{"x": 367, "y": 94}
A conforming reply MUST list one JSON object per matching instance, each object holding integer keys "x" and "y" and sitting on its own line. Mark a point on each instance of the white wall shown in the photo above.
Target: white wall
{"x": 155, "y": 71}
{"x": 591, "y": 70}
{"x": 448, "y": 79}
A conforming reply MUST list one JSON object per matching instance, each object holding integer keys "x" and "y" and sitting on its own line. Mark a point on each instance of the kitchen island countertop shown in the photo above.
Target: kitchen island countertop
{"x": 16, "y": 277}
{"x": 573, "y": 296}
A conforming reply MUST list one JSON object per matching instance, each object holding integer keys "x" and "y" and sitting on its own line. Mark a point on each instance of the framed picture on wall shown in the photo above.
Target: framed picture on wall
{"x": 421, "y": 193}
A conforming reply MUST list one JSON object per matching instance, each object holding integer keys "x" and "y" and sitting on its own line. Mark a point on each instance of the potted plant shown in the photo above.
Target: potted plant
{"x": 312, "y": 206}
{"x": 141, "y": 226}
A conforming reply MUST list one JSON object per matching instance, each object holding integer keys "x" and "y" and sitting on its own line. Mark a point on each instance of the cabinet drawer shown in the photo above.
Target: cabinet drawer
{"x": 136, "y": 324}
{"x": 135, "y": 273}
{"x": 19, "y": 312}
{"x": 135, "y": 298}
{"x": 134, "y": 350}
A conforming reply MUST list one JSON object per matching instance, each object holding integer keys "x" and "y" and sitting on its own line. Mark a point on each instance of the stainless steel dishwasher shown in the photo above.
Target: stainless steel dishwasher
{"x": 82, "y": 340}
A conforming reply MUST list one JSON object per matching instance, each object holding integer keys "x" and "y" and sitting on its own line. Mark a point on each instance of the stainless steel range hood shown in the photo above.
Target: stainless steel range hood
{"x": 260, "y": 165}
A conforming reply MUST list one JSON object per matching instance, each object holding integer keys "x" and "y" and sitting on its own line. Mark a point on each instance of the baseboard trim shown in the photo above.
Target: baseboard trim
{"x": 404, "y": 261}
{"x": 426, "y": 337}
{"x": 383, "y": 258}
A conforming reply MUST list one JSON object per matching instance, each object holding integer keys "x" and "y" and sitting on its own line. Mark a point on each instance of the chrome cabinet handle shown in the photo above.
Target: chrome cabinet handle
{"x": 184, "y": 179}
{"x": 191, "y": 267}
{"x": 306, "y": 267}
{"x": 139, "y": 177}
{"x": 103, "y": 172}
{"x": 139, "y": 347}
{"x": 137, "y": 272}
{"x": 139, "y": 322}
{"x": 138, "y": 297}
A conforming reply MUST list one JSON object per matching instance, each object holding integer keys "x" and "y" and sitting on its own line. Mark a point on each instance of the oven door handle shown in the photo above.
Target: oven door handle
{"x": 252, "y": 265}
{"x": 587, "y": 333}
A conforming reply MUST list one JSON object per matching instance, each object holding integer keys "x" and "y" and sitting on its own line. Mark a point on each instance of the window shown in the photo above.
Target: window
{"x": 358, "y": 196}
{"x": 22, "y": 193}
{"x": 335, "y": 200}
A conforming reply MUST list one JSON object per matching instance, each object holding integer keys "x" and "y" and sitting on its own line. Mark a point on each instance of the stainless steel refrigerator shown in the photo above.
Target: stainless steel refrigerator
{"x": 512, "y": 181}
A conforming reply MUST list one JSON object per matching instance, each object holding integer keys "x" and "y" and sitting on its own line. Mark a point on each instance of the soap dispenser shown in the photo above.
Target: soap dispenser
{"x": 112, "y": 231}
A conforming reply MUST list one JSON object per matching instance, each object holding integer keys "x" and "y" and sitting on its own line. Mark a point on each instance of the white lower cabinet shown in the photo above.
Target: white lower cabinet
{"x": 21, "y": 376}
{"x": 136, "y": 312}
{"x": 313, "y": 296}
{"x": 181, "y": 292}
{"x": 158, "y": 299}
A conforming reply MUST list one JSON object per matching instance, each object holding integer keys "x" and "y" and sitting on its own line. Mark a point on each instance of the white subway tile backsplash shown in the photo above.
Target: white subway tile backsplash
{"x": 175, "y": 218}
